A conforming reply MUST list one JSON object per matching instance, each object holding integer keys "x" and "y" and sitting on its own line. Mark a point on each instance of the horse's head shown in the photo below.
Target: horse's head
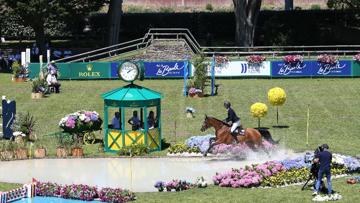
{"x": 205, "y": 124}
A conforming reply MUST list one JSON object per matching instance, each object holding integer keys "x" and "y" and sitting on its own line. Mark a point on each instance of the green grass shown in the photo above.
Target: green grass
{"x": 334, "y": 108}
{"x": 8, "y": 186}
{"x": 291, "y": 194}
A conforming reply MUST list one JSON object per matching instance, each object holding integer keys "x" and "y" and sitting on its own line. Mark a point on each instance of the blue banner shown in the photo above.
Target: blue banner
{"x": 341, "y": 68}
{"x": 165, "y": 69}
{"x": 310, "y": 68}
{"x": 8, "y": 113}
{"x": 114, "y": 70}
{"x": 300, "y": 69}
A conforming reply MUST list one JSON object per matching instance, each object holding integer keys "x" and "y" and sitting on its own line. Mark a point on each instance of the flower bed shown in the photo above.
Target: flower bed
{"x": 255, "y": 59}
{"x": 293, "y": 59}
{"x": 82, "y": 192}
{"x": 278, "y": 173}
{"x": 327, "y": 59}
{"x": 356, "y": 57}
{"x": 179, "y": 185}
{"x": 81, "y": 121}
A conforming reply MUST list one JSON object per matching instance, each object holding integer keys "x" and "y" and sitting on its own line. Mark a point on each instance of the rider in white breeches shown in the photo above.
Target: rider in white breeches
{"x": 235, "y": 120}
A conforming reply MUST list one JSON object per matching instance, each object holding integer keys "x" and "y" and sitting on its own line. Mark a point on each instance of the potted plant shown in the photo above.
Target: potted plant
{"x": 39, "y": 87}
{"x": 64, "y": 141}
{"x": 40, "y": 151}
{"x": 327, "y": 59}
{"x": 21, "y": 152}
{"x": 24, "y": 124}
{"x": 77, "y": 150}
{"x": 255, "y": 59}
{"x": 7, "y": 151}
{"x": 20, "y": 73}
{"x": 357, "y": 58}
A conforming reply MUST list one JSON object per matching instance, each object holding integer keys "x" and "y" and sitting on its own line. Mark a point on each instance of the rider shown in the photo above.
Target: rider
{"x": 233, "y": 118}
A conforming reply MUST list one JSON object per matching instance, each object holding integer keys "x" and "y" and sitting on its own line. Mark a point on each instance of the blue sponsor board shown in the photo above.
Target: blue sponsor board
{"x": 341, "y": 68}
{"x": 310, "y": 68}
{"x": 300, "y": 69}
{"x": 165, "y": 69}
{"x": 114, "y": 70}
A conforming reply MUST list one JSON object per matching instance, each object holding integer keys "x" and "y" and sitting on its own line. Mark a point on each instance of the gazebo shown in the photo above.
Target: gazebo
{"x": 123, "y": 100}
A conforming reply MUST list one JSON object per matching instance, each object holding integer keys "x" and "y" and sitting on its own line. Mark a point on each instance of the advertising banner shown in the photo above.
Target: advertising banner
{"x": 172, "y": 69}
{"x": 310, "y": 69}
{"x": 356, "y": 68}
{"x": 242, "y": 68}
{"x": 300, "y": 69}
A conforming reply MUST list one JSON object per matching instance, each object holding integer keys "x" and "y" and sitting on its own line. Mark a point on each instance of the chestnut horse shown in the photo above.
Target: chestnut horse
{"x": 251, "y": 136}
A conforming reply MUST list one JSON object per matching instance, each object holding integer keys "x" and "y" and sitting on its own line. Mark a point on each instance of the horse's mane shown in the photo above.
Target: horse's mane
{"x": 224, "y": 123}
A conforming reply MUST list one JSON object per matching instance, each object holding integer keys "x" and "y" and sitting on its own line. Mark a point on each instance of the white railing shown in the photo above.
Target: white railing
{"x": 185, "y": 35}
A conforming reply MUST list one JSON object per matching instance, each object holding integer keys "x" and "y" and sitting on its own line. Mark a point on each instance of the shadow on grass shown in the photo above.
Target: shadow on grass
{"x": 281, "y": 126}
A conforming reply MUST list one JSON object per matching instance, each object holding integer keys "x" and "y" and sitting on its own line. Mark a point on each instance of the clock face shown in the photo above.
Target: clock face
{"x": 128, "y": 71}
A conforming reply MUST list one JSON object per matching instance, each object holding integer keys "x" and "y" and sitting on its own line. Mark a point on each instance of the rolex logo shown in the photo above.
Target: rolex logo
{"x": 89, "y": 67}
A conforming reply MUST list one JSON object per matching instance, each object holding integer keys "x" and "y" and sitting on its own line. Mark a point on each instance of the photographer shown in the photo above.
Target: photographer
{"x": 324, "y": 157}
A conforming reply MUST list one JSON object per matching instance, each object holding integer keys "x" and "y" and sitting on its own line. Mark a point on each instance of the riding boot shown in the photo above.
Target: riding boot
{"x": 234, "y": 134}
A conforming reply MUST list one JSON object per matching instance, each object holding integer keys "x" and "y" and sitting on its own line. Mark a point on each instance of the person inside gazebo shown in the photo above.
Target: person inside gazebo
{"x": 151, "y": 121}
{"x": 135, "y": 121}
{"x": 115, "y": 122}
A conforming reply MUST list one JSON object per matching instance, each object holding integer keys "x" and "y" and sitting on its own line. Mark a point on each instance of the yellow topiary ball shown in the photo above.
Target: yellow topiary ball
{"x": 258, "y": 110}
{"x": 276, "y": 96}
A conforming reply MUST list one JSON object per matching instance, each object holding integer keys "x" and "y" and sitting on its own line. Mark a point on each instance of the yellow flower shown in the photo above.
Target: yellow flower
{"x": 277, "y": 96}
{"x": 258, "y": 110}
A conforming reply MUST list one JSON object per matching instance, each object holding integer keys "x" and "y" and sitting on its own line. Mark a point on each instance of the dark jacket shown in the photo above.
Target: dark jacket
{"x": 325, "y": 158}
{"x": 232, "y": 116}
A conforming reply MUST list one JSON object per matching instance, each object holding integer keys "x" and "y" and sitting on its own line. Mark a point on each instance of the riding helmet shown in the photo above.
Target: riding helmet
{"x": 227, "y": 104}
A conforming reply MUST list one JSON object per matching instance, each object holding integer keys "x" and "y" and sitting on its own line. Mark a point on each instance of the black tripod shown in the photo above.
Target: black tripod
{"x": 314, "y": 170}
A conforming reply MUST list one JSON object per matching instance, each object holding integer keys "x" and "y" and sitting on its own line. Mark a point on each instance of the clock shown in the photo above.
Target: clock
{"x": 129, "y": 71}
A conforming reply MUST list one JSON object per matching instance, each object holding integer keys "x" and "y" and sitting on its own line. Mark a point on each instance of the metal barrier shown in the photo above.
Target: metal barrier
{"x": 185, "y": 35}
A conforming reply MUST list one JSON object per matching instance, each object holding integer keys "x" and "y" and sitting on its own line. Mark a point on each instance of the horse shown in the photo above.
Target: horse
{"x": 251, "y": 136}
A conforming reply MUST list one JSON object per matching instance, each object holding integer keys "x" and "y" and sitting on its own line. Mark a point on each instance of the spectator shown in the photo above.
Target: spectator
{"x": 151, "y": 121}
{"x": 116, "y": 123}
{"x": 134, "y": 121}
{"x": 324, "y": 157}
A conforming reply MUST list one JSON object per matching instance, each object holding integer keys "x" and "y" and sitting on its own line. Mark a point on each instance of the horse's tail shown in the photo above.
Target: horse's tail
{"x": 267, "y": 136}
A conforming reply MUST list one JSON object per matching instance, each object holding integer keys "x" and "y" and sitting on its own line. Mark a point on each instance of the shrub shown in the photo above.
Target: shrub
{"x": 115, "y": 195}
{"x": 24, "y": 123}
{"x": 209, "y": 7}
{"x": 200, "y": 74}
{"x": 315, "y": 7}
{"x": 47, "y": 189}
{"x": 82, "y": 192}
{"x": 181, "y": 148}
{"x": 134, "y": 150}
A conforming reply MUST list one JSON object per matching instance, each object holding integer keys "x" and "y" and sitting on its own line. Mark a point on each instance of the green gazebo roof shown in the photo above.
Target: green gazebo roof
{"x": 130, "y": 95}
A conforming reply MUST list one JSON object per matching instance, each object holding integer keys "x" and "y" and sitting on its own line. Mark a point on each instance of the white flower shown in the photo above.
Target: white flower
{"x": 17, "y": 133}
{"x": 82, "y": 117}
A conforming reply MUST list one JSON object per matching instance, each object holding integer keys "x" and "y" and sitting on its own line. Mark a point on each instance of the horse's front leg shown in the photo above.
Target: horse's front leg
{"x": 211, "y": 145}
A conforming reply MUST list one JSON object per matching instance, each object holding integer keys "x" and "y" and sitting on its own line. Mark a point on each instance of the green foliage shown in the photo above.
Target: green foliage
{"x": 181, "y": 148}
{"x": 16, "y": 67}
{"x": 24, "y": 123}
{"x": 134, "y": 150}
{"x": 344, "y": 4}
{"x": 315, "y": 7}
{"x": 39, "y": 85}
{"x": 200, "y": 74}
{"x": 209, "y": 7}
{"x": 64, "y": 140}
{"x": 166, "y": 10}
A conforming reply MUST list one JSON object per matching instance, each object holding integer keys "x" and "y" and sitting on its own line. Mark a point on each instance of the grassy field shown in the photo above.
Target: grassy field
{"x": 334, "y": 108}
{"x": 291, "y": 194}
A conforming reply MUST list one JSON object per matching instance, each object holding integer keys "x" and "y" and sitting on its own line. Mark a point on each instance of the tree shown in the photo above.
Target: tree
{"x": 246, "y": 14}
{"x": 344, "y": 4}
{"x": 36, "y": 13}
{"x": 114, "y": 15}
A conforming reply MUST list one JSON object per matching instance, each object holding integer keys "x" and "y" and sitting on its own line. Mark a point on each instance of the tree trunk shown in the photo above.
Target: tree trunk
{"x": 114, "y": 15}
{"x": 40, "y": 38}
{"x": 246, "y": 14}
{"x": 289, "y": 5}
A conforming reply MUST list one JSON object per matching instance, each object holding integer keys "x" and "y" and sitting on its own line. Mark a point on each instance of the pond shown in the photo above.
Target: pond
{"x": 135, "y": 174}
